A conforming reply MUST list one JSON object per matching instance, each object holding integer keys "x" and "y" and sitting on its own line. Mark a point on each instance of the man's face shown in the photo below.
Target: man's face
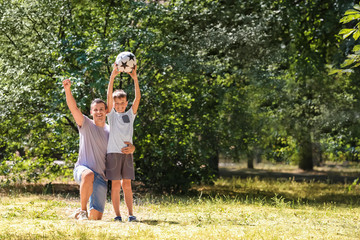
{"x": 98, "y": 111}
{"x": 120, "y": 104}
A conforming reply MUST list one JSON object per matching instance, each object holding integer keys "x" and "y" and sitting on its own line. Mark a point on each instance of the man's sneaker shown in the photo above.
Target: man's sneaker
{"x": 132, "y": 219}
{"x": 118, "y": 219}
{"x": 75, "y": 214}
{"x": 82, "y": 215}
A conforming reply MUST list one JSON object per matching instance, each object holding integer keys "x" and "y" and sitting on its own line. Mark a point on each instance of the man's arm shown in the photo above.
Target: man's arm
{"x": 70, "y": 100}
{"x": 129, "y": 149}
{"x": 136, "y": 102}
{"x": 114, "y": 73}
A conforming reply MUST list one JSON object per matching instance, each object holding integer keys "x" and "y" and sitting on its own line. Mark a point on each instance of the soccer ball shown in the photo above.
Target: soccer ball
{"x": 126, "y": 62}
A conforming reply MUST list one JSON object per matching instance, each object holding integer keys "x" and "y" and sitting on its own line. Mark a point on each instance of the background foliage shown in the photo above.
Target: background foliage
{"x": 218, "y": 78}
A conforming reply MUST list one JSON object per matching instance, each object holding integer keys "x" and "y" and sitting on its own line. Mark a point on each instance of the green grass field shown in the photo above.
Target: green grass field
{"x": 231, "y": 209}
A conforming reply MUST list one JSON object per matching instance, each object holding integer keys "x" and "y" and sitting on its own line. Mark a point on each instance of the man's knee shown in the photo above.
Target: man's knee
{"x": 95, "y": 215}
{"x": 87, "y": 176}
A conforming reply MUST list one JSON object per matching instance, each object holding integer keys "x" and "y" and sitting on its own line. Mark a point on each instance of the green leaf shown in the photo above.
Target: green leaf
{"x": 350, "y": 18}
{"x": 334, "y": 71}
{"x": 348, "y": 71}
{"x": 357, "y": 7}
{"x": 356, "y": 65}
{"x": 347, "y": 63}
{"x": 346, "y": 32}
{"x": 356, "y": 34}
{"x": 351, "y": 11}
{"x": 356, "y": 48}
{"x": 352, "y": 56}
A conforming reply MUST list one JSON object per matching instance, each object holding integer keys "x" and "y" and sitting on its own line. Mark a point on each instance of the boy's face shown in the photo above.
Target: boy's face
{"x": 120, "y": 104}
{"x": 98, "y": 112}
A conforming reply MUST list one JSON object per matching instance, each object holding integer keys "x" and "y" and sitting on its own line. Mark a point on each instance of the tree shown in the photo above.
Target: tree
{"x": 310, "y": 40}
{"x": 81, "y": 42}
{"x": 351, "y": 20}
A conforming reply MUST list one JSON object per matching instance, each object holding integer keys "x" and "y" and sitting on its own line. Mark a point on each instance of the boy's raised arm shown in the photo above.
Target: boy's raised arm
{"x": 70, "y": 100}
{"x": 136, "y": 102}
{"x": 114, "y": 73}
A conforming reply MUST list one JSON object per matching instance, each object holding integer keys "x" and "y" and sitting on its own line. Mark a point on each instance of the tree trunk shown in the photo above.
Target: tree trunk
{"x": 317, "y": 154}
{"x": 305, "y": 152}
{"x": 214, "y": 163}
{"x": 250, "y": 159}
{"x": 250, "y": 162}
{"x": 258, "y": 153}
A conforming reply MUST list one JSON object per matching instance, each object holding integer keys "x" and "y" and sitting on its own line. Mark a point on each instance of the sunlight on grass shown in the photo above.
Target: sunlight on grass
{"x": 243, "y": 209}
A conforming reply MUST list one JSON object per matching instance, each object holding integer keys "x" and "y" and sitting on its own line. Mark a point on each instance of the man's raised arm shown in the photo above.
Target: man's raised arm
{"x": 70, "y": 100}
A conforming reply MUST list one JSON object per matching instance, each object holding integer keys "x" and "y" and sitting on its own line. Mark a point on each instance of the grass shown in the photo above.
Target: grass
{"x": 231, "y": 209}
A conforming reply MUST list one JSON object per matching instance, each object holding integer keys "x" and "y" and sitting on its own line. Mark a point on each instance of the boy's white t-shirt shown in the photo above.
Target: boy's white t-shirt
{"x": 121, "y": 129}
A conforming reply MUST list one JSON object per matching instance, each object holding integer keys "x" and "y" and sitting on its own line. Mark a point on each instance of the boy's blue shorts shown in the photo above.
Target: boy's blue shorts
{"x": 98, "y": 196}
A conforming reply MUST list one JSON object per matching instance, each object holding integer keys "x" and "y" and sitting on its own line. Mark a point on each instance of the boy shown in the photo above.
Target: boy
{"x": 119, "y": 164}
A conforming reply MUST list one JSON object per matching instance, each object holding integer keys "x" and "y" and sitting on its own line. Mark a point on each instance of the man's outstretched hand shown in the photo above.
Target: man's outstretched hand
{"x": 129, "y": 149}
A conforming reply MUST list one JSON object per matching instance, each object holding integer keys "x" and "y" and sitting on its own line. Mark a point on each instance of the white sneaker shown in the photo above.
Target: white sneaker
{"x": 75, "y": 214}
{"x": 82, "y": 215}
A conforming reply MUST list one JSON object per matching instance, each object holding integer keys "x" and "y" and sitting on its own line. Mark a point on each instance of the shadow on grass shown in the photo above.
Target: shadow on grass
{"x": 157, "y": 222}
{"x": 298, "y": 175}
{"x": 258, "y": 186}
{"x": 315, "y": 194}
{"x": 274, "y": 197}
{"x": 317, "y": 187}
{"x": 63, "y": 189}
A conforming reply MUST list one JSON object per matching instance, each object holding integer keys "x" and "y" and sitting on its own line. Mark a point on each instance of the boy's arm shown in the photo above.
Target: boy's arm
{"x": 136, "y": 102}
{"x": 114, "y": 73}
{"x": 70, "y": 100}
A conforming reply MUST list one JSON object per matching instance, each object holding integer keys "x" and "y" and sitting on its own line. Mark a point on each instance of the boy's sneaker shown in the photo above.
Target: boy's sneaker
{"x": 132, "y": 219}
{"x": 118, "y": 219}
{"x": 75, "y": 214}
{"x": 82, "y": 215}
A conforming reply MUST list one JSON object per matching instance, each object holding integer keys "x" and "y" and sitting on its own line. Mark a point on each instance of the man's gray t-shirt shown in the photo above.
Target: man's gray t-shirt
{"x": 93, "y": 146}
{"x": 122, "y": 129}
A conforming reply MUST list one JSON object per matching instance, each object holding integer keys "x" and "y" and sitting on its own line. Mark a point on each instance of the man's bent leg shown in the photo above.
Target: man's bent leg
{"x": 95, "y": 215}
{"x": 98, "y": 197}
{"x": 86, "y": 187}
{"x": 128, "y": 195}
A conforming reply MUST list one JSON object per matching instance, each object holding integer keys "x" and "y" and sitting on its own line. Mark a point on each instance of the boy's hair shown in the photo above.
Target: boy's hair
{"x": 119, "y": 94}
{"x": 98, "y": 100}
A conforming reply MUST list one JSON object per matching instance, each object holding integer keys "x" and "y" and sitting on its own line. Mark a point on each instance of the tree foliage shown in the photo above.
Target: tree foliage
{"x": 218, "y": 79}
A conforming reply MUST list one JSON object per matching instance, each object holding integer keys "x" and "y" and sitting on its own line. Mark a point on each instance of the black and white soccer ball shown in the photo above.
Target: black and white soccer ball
{"x": 126, "y": 62}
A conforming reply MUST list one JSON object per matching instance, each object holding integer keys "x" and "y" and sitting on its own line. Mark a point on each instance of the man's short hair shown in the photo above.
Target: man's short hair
{"x": 119, "y": 94}
{"x": 98, "y": 100}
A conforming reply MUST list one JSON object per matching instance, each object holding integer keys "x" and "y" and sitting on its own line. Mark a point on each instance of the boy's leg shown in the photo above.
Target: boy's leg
{"x": 128, "y": 195}
{"x": 115, "y": 196}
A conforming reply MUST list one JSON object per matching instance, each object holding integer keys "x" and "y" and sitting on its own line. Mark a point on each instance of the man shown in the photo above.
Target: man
{"x": 89, "y": 170}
